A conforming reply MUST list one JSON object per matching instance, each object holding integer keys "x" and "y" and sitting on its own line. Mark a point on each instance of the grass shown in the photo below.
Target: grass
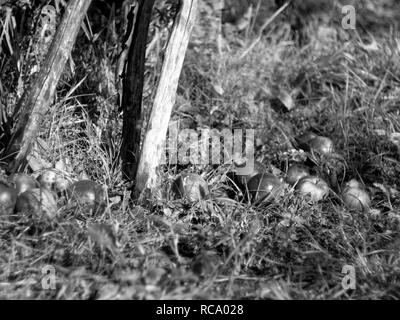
{"x": 225, "y": 248}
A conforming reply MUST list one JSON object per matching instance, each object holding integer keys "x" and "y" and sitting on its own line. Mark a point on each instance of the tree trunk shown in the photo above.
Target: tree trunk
{"x": 35, "y": 102}
{"x": 152, "y": 149}
{"x": 133, "y": 90}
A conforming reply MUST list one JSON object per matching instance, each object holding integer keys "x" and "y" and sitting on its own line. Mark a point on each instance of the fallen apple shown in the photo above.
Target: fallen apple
{"x": 86, "y": 192}
{"x": 313, "y": 187}
{"x": 190, "y": 186}
{"x": 321, "y": 145}
{"x": 39, "y": 202}
{"x": 8, "y": 198}
{"x": 355, "y": 197}
{"x": 264, "y": 187}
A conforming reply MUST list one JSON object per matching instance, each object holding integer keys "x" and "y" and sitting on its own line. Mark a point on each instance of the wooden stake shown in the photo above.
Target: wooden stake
{"x": 133, "y": 90}
{"x": 35, "y": 102}
{"x": 152, "y": 149}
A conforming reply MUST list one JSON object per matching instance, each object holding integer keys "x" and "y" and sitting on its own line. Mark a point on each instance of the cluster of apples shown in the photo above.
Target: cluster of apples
{"x": 22, "y": 193}
{"x": 262, "y": 186}
{"x": 353, "y": 194}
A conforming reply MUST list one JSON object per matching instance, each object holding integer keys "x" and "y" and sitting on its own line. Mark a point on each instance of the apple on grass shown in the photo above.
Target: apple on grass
{"x": 190, "y": 186}
{"x": 264, "y": 187}
{"x": 355, "y": 197}
{"x": 313, "y": 187}
{"x": 8, "y": 198}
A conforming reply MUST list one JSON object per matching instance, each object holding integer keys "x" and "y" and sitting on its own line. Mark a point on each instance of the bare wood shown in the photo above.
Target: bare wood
{"x": 36, "y": 101}
{"x": 164, "y": 100}
{"x": 133, "y": 90}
